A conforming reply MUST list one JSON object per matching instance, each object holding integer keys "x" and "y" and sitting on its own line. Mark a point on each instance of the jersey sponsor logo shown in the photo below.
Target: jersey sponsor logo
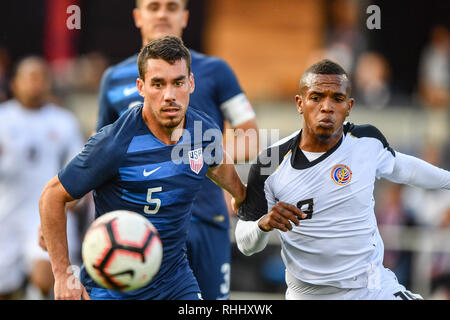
{"x": 196, "y": 160}
{"x": 147, "y": 173}
{"x": 341, "y": 174}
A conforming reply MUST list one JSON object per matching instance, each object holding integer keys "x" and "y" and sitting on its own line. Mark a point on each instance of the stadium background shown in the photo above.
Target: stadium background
{"x": 401, "y": 84}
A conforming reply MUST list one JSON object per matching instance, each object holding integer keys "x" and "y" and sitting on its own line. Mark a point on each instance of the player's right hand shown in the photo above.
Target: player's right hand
{"x": 280, "y": 217}
{"x": 68, "y": 287}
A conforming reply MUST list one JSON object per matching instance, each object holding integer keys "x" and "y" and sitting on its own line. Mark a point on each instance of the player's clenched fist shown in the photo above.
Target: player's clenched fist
{"x": 68, "y": 287}
{"x": 280, "y": 217}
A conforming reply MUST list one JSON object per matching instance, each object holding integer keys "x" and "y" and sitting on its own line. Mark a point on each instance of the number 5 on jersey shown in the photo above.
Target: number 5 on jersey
{"x": 154, "y": 201}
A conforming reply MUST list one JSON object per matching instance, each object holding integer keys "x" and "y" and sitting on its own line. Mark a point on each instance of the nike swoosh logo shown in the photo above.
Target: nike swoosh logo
{"x": 129, "y": 91}
{"x": 147, "y": 173}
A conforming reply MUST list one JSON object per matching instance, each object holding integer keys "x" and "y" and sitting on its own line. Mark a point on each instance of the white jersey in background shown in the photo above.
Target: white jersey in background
{"x": 34, "y": 145}
{"x": 338, "y": 245}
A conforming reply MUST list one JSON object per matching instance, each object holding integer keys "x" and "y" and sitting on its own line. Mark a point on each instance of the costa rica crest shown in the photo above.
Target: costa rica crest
{"x": 196, "y": 160}
{"x": 341, "y": 174}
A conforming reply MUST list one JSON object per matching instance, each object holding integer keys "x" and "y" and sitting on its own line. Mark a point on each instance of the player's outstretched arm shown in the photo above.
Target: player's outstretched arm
{"x": 416, "y": 172}
{"x": 243, "y": 141}
{"x": 225, "y": 176}
{"x": 53, "y": 224}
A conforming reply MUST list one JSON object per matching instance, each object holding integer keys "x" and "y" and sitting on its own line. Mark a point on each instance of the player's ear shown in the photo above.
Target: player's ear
{"x": 350, "y": 103}
{"x": 299, "y": 102}
{"x": 185, "y": 18}
{"x": 140, "y": 86}
{"x": 191, "y": 82}
{"x": 137, "y": 18}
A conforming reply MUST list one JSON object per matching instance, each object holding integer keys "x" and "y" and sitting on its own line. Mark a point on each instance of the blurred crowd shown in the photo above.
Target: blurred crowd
{"x": 345, "y": 43}
{"x": 79, "y": 74}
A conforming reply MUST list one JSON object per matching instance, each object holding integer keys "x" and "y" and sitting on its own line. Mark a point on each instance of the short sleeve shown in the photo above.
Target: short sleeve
{"x": 233, "y": 101}
{"x": 74, "y": 140}
{"x": 211, "y": 138}
{"x": 213, "y": 152}
{"x": 106, "y": 113}
{"x": 237, "y": 110}
{"x": 92, "y": 167}
{"x": 227, "y": 83}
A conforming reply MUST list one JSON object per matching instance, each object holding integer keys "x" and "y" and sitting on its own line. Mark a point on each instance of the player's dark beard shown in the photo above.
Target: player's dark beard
{"x": 173, "y": 124}
{"x": 174, "y": 121}
{"x": 323, "y": 137}
{"x": 326, "y": 137}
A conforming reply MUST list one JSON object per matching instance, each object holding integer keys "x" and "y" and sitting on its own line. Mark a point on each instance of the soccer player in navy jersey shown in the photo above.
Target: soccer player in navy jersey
{"x": 219, "y": 95}
{"x": 142, "y": 163}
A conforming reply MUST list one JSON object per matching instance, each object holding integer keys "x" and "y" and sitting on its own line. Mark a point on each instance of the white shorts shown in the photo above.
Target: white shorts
{"x": 19, "y": 248}
{"x": 387, "y": 288}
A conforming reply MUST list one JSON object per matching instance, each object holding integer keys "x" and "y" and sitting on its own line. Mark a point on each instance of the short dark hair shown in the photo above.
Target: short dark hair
{"x": 139, "y": 2}
{"x": 168, "y": 48}
{"x": 325, "y": 66}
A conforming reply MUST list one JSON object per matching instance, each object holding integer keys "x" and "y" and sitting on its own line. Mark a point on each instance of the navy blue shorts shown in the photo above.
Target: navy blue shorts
{"x": 209, "y": 255}
{"x": 181, "y": 285}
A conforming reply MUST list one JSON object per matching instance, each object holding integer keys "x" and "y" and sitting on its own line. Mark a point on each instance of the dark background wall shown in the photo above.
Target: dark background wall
{"x": 405, "y": 31}
{"x": 107, "y": 27}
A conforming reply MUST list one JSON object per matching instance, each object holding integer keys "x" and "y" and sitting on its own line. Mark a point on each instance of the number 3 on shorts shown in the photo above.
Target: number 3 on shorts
{"x": 225, "y": 286}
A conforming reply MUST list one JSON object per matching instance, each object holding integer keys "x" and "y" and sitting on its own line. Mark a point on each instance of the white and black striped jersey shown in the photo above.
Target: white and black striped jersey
{"x": 339, "y": 243}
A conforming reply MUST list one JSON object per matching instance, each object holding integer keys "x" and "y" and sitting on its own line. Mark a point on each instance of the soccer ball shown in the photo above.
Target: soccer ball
{"x": 122, "y": 251}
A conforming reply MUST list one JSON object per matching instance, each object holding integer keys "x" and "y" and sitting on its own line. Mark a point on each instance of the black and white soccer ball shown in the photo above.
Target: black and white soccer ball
{"x": 122, "y": 251}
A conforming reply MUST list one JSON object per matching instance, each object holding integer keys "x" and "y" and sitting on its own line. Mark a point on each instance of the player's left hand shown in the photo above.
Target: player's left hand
{"x": 281, "y": 216}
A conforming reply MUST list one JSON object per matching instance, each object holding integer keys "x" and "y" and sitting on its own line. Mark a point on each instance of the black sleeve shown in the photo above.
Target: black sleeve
{"x": 369, "y": 131}
{"x": 255, "y": 204}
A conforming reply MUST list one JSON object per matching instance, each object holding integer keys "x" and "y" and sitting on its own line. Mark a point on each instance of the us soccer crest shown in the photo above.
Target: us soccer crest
{"x": 196, "y": 160}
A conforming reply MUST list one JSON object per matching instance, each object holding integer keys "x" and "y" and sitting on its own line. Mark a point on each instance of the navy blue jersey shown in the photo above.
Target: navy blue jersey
{"x": 215, "y": 83}
{"x": 130, "y": 169}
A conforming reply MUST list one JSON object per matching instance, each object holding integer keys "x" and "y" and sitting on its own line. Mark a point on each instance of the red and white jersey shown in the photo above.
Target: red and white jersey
{"x": 34, "y": 146}
{"x": 339, "y": 243}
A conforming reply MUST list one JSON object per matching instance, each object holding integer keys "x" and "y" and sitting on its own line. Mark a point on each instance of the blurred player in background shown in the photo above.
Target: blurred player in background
{"x": 36, "y": 139}
{"x": 325, "y": 173}
{"x": 219, "y": 95}
{"x": 139, "y": 174}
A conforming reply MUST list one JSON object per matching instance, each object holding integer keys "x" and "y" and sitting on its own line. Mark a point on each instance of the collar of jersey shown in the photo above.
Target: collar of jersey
{"x": 299, "y": 160}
